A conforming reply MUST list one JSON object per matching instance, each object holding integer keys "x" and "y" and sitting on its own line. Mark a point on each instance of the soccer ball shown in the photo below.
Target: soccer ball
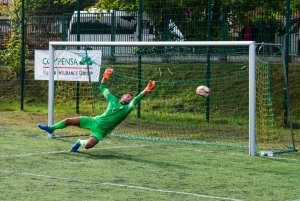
{"x": 203, "y": 91}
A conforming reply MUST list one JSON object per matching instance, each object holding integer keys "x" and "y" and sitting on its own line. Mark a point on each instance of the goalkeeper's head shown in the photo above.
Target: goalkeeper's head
{"x": 126, "y": 98}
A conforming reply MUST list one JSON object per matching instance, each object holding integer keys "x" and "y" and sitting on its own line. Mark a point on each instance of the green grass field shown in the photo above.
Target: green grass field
{"x": 34, "y": 167}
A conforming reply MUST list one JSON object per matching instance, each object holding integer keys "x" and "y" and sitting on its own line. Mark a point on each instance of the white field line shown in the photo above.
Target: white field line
{"x": 64, "y": 151}
{"x": 136, "y": 146}
{"x": 119, "y": 185}
{"x": 281, "y": 158}
{"x": 268, "y": 157}
{"x": 239, "y": 154}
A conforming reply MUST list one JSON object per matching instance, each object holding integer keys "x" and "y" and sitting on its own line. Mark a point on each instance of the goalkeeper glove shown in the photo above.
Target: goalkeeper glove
{"x": 108, "y": 72}
{"x": 150, "y": 86}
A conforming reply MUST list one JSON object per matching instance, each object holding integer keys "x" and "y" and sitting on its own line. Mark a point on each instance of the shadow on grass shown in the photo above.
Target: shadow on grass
{"x": 125, "y": 157}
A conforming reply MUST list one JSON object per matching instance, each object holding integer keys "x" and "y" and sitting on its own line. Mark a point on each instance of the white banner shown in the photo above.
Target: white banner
{"x": 69, "y": 65}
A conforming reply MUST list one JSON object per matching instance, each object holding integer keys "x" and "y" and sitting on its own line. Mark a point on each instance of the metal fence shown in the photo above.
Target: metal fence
{"x": 159, "y": 22}
{"x": 187, "y": 26}
{"x": 4, "y": 32}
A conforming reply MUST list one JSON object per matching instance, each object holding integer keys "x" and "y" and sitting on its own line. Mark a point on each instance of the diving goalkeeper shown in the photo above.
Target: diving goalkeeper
{"x": 102, "y": 125}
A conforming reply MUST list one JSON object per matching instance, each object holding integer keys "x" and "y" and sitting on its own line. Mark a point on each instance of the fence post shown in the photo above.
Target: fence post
{"x": 22, "y": 67}
{"x": 113, "y": 31}
{"x": 224, "y": 28}
{"x": 208, "y": 57}
{"x": 139, "y": 68}
{"x": 78, "y": 39}
{"x": 286, "y": 57}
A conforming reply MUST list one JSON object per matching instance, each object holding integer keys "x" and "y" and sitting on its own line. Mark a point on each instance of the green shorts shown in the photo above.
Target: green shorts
{"x": 91, "y": 124}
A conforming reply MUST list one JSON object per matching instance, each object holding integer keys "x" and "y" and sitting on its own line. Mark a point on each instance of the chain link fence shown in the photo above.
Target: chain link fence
{"x": 160, "y": 21}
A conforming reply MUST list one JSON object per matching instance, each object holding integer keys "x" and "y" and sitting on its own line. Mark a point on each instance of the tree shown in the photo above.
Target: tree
{"x": 10, "y": 55}
{"x": 226, "y": 14}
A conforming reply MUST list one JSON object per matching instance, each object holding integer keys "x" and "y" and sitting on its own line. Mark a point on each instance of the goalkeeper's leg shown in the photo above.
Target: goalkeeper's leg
{"x": 87, "y": 144}
{"x": 75, "y": 121}
{"x": 97, "y": 133}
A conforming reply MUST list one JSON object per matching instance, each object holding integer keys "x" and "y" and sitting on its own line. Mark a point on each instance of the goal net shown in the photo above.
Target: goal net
{"x": 240, "y": 111}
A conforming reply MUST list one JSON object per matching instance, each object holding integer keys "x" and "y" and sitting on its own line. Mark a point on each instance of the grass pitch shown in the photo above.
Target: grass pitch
{"x": 36, "y": 168}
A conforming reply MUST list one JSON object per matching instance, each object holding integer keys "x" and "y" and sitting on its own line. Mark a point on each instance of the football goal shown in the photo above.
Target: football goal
{"x": 239, "y": 112}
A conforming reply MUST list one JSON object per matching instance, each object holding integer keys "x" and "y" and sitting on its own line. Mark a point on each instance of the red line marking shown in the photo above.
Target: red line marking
{"x": 67, "y": 67}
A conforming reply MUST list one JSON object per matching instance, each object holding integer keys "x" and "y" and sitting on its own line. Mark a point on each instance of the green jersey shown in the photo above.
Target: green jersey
{"x": 115, "y": 113}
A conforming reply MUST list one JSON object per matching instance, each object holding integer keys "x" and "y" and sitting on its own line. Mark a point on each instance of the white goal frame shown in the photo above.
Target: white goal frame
{"x": 252, "y": 72}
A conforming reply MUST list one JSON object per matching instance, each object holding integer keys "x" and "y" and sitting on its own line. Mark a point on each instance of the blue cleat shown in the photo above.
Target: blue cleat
{"x": 45, "y": 128}
{"x": 76, "y": 146}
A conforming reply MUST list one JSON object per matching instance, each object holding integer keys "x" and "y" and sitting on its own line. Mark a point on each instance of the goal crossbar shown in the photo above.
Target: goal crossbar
{"x": 252, "y": 70}
{"x": 147, "y": 43}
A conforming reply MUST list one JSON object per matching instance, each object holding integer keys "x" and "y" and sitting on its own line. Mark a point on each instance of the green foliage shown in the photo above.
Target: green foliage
{"x": 104, "y": 4}
{"x": 3, "y": 39}
{"x": 295, "y": 4}
{"x": 44, "y": 7}
{"x": 11, "y": 54}
{"x": 117, "y": 4}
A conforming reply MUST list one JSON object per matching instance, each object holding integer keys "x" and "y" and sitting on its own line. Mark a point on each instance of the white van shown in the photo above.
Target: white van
{"x": 96, "y": 26}
{"x": 99, "y": 26}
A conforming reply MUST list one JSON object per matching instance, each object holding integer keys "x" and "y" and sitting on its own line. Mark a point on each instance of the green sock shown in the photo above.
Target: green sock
{"x": 59, "y": 125}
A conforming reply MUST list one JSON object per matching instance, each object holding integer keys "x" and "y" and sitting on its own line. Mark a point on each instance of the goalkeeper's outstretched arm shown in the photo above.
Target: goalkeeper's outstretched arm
{"x": 150, "y": 86}
{"x": 137, "y": 99}
{"x": 108, "y": 72}
{"x": 103, "y": 89}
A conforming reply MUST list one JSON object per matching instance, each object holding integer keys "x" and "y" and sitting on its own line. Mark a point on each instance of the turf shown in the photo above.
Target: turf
{"x": 36, "y": 168}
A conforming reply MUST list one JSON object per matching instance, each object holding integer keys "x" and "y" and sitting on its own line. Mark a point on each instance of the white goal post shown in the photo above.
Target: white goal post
{"x": 252, "y": 72}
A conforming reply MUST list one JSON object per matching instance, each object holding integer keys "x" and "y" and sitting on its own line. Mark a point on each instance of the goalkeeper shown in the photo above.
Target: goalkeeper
{"x": 102, "y": 125}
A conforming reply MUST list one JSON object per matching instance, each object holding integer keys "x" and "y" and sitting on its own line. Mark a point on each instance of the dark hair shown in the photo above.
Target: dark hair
{"x": 128, "y": 93}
